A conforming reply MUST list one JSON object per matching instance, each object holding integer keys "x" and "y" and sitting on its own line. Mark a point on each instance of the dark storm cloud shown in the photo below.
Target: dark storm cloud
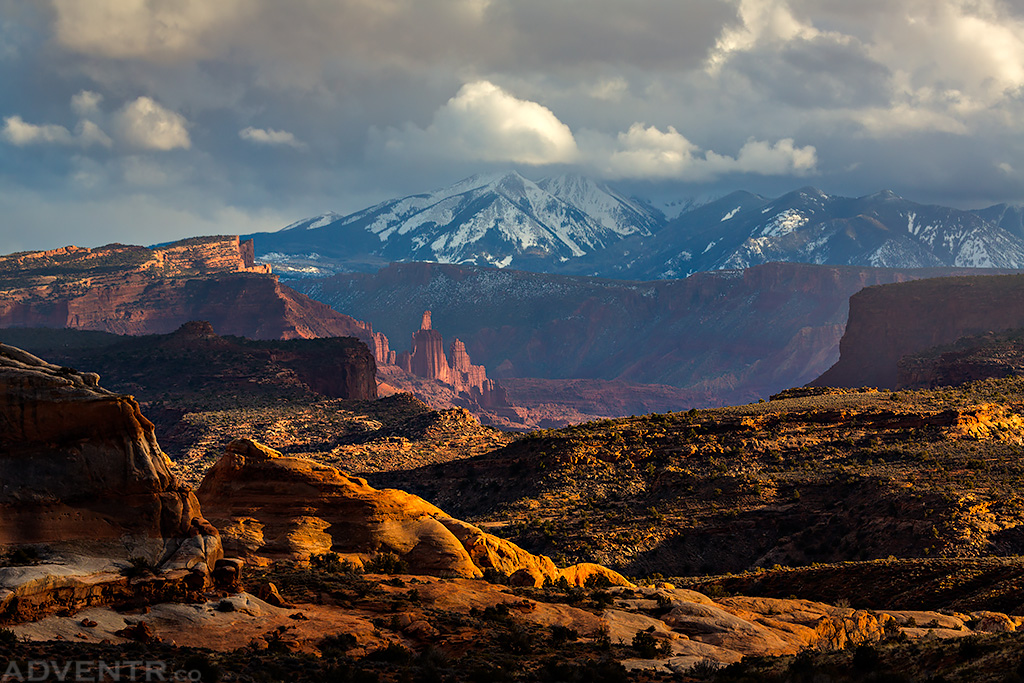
{"x": 817, "y": 73}
{"x": 239, "y": 115}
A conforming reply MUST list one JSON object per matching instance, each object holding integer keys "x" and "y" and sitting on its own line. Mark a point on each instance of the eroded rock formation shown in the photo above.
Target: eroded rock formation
{"x": 428, "y": 360}
{"x": 85, "y": 488}
{"x": 268, "y": 505}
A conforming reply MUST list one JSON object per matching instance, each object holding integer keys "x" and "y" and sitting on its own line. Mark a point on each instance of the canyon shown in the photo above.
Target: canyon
{"x": 718, "y": 338}
{"x": 102, "y": 545}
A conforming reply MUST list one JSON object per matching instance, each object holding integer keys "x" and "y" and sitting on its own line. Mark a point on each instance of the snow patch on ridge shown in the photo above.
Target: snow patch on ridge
{"x": 784, "y": 223}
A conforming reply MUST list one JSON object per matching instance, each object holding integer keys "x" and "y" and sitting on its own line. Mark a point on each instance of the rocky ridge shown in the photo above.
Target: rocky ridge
{"x": 838, "y": 476}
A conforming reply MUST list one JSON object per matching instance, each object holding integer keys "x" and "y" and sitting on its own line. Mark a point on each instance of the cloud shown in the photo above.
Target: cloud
{"x": 20, "y": 133}
{"x": 88, "y": 133}
{"x": 153, "y": 29}
{"x": 86, "y": 103}
{"x": 17, "y": 132}
{"x": 269, "y": 136}
{"x": 645, "y": 152}
{"x": 760, "y": 22}
{"x": 482, "y": 122}
{"x": 762, "y": 158}
{"x": 145, "y": 124}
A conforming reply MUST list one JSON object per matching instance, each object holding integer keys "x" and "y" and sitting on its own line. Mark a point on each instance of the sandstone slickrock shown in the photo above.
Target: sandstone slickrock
{"x": 85, "y": 487}
{"x": 265, "y": 504}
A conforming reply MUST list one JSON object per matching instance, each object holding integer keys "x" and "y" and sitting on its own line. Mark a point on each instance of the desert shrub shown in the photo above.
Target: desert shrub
{"x": 392, "y": 654}
{"x": 7, "y": 637}
{"x": 561, "y": 635}
{"x": 518, "y": 641}
{"x": 385, "y": 563}
{"x": 337, "y": 644}
{"x": 597, "y": 581}
{"x": 705, "y": 668}
{"x": 648, "y": 646}
{"x": 865, "y": 658}
{"x": 207, "y": 670}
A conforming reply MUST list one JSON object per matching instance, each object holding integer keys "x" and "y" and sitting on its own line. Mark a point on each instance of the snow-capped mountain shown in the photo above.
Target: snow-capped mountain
{"x": 494, "y": 220}
{"x": 1009, "y": 217}
{"x": 809, "y": 226}
{"x": 575, "y": 225}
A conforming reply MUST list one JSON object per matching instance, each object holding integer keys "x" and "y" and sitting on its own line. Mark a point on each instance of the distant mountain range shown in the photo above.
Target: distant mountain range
{"x": 575, "y": 225}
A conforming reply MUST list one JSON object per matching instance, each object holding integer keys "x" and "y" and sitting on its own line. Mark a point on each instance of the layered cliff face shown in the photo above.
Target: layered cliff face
{"x": 83, "y": 477}
{"x": 268, "y": 505}
{"x": 134, "y": 290}
{"x": 724, "y": 337}
{"x": 892, "y": 321}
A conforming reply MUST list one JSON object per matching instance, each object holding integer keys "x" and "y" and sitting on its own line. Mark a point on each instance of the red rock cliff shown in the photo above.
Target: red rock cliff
{"x": 891, "y": 321}
{"x": 135, "y": 290}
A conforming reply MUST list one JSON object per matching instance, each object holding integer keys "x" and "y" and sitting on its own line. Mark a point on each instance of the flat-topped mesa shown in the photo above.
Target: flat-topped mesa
{"x": 270, "y": 506}
{"x": 226, "y": 254}
{"x": 85, "y": 487}
{"x": 128, "y": 289}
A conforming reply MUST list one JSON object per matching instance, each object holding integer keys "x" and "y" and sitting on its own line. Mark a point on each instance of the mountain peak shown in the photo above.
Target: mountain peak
{"x": 883, "y": 196}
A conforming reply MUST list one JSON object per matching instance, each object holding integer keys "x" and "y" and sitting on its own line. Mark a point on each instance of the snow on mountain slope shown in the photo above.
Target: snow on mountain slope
{"x": 619, "y": 214}
{"x": 575, "y": 225}
{"x": 496, "y": 219}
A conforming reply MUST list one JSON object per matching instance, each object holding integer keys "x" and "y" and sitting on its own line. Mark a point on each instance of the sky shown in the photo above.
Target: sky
{"x": 142, "y": 121}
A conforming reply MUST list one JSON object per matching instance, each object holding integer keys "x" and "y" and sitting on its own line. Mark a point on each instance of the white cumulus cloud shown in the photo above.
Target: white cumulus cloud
{"x": 19, "y": 132}
{"x": 269, "y": 136}
{"x": 485, "y": 123}
{"x": 145, "y": 124}
{"x": 648, "y": 152}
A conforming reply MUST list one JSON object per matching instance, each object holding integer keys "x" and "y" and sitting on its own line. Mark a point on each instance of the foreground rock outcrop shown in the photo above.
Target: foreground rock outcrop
{"x": 86, "y": 488}
{"x": 651, "y": 628}
{"x": 268, "y": 505}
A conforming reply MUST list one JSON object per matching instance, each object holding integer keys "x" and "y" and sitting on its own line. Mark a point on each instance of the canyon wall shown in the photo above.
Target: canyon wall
{"x": 722, "y": 338}
{"x": 892, "y": 321}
